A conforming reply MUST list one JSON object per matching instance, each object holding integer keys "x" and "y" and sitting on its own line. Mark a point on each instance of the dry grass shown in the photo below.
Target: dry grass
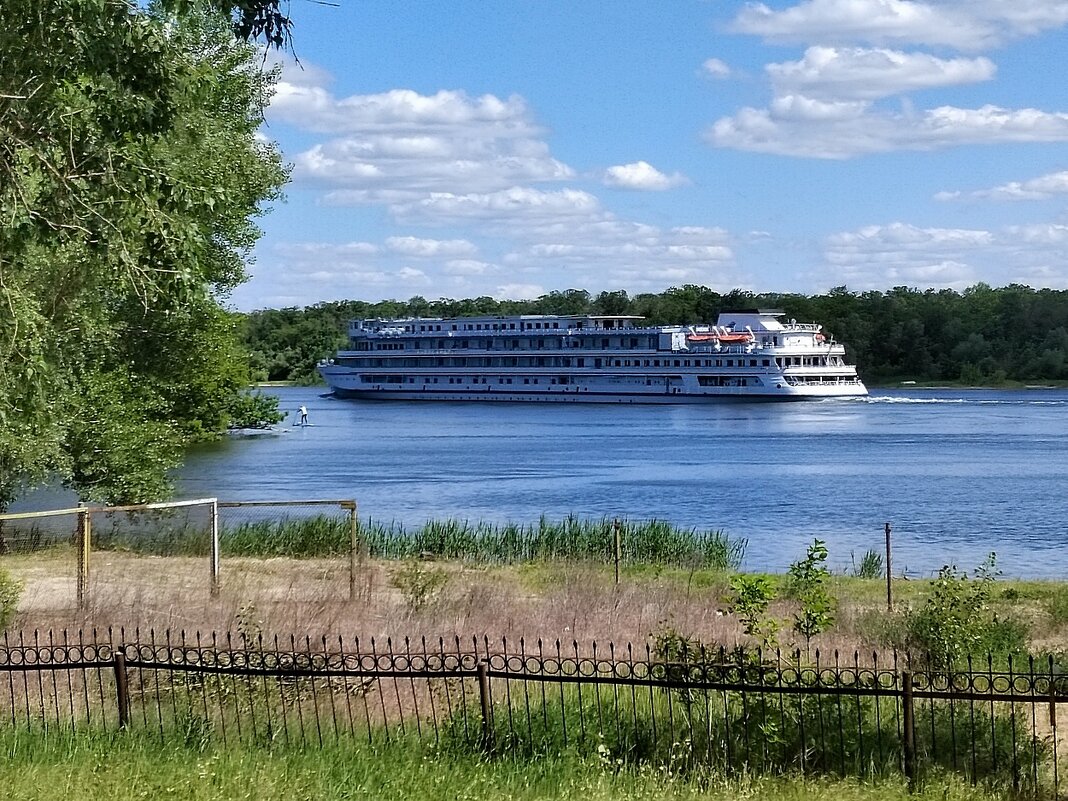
{"x": 572, "y": 602}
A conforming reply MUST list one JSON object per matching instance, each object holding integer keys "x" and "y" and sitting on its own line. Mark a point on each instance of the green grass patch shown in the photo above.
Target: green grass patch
{"x": 105, "y": 767}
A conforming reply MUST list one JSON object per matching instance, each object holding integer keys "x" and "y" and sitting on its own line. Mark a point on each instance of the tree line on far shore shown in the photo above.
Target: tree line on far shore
{"x": 981, "y": 335}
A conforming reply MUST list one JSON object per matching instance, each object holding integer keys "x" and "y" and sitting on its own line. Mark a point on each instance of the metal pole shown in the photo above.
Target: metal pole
{"x": 84, "y": 536}
{"x": 889, "y": 572}
{"x": 908, "y": 730}
{"x": 487, "y": 708}
{"x": 122, "y": 689}
{"x": 216, "y": 583}
{"x": 354, "y": 549}
{"x": 617, "y": 546}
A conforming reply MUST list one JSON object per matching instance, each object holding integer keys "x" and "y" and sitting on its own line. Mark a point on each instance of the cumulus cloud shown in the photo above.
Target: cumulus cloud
{"x": 430, "y": 248}
{"x": 519, "y": 291}
{"x": 518, "y": 202}
{"x": 714, "y": 68}
{"x": 960, "y": 24}
{"x": 642, "y": 176}
{"x": 401, "y": 143}
{"x": 854, "y": 73}
{"x": 797, "y": 127}
{"x": 1041, "y": 188}
{"x": 878, "y": 256}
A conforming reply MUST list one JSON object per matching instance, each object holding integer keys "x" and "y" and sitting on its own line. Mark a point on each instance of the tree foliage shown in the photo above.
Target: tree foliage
{"x": 130, "y": 177}
{"x": 978, "y": 336}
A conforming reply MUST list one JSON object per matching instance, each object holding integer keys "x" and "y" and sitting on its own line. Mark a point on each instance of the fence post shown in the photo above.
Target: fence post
{"x": 85, "y": 528}
{"x": 617, "y": 546}
{"x": 216, "y": 583}
{"x": 487, "y": 707}
{"x": 908, "y": 727}
{"x": 354, "y": 546}
{"x": 889, "y": 572}
{"x": 122, "y": 688}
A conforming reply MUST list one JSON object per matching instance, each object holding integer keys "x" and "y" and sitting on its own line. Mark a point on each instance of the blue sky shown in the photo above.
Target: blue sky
{"x": 510, "y": 149}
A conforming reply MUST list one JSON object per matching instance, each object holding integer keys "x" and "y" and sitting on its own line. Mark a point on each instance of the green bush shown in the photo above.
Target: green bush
{"x": 751, "y": 595}
{"x": 957, "y": 621}
{"x": 807, "y": 583}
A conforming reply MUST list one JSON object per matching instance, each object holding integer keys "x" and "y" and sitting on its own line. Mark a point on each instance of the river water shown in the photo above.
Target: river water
{"x": 958, "y": 473}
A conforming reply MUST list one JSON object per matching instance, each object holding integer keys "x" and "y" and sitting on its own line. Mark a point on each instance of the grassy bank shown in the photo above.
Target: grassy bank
{"x": 99, "y": 768}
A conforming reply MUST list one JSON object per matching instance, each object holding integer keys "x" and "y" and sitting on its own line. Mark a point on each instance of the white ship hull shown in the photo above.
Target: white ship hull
{"x": 347, "y": 383}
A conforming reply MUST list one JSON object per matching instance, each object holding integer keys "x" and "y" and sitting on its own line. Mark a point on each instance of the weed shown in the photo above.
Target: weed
{"x": 751, "y": 595}
{"x": 421, "y": 586}
{"x": 871, "y": 565}
{"x": 807, "y": 583}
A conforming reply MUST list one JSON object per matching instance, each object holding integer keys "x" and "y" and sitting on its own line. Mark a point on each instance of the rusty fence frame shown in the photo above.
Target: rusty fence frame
{"x": 82, "y": 535}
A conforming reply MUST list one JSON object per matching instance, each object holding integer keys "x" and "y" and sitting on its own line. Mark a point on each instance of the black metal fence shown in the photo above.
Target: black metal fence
{"x": 867, "y": 715}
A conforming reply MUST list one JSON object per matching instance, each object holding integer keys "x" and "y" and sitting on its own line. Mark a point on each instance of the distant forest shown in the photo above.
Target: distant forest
{"x": 979, "y": 336}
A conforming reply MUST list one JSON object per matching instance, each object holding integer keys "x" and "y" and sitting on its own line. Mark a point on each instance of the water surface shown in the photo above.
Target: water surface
{"x": 959, "y": 473}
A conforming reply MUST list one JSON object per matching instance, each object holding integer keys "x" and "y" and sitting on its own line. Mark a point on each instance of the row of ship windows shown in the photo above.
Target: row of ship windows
{"x": 704, "y": 380}
{"x": 544, "y": 361}
{"x": 552, "y": 343}
{"x": 486, "y": 327}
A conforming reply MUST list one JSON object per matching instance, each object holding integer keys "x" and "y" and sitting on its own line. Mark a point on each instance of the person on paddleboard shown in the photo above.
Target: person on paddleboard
{"x": 303, "y": 415}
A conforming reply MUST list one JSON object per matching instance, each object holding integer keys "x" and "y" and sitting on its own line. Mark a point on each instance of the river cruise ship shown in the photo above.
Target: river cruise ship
{"x": 611, "y": 358}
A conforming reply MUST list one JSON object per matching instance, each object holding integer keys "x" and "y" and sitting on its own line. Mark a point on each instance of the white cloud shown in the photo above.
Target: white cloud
{"x": 1041, "y": 188}
{"x": 519, "y": 291}
{"x": 842, "y": 130}
{"x": 516, "y": 202}
{"x": 831, "y": 73}
{"x": 879, "y": 256}
{"x": 467, "y": 267}
{"x": 714, "y": 68}
{"x": 430, "y": 248}
{"x": 642, "y": 176}
{"x": 961, "y": 24}
{"x": 400, "y": 143}
{"x": 313, "y": 108}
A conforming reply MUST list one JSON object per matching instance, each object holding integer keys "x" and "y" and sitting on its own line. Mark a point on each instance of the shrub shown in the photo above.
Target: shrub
{"x": 807, "y": 583}
{"x": 421, "y": 586}
{"x": 751, "y": 595}
{"x": 956, "y": 619}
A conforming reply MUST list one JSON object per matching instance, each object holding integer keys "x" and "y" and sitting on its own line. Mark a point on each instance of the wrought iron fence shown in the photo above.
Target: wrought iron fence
{"x": 867, "y": 715}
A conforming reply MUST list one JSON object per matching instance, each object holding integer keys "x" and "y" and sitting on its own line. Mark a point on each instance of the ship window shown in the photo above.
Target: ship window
{"x": 509, "y": 381}
{"x": 686, "y": 363}
{"x": 742, "y": 382}
{"x": 752, "y": 362}
{"x": 730, "y": 362}
{"x": 556, "y": 325}
{"x": 617, "y": 363}
{"x": 581, "y": 362}
{"x": 511, "y": 326}
{"x": 766, "y": 363}
{"x": 676, "y": 362}
{"x": 526, "y": 380}
{"x": 656, "y": 362}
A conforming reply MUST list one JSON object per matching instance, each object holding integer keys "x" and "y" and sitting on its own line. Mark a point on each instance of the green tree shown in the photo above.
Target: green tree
{"x": 130, "y": 177}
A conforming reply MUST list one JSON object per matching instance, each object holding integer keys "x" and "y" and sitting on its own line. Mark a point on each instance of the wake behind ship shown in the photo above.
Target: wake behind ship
{"x": 750, "y": 354}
